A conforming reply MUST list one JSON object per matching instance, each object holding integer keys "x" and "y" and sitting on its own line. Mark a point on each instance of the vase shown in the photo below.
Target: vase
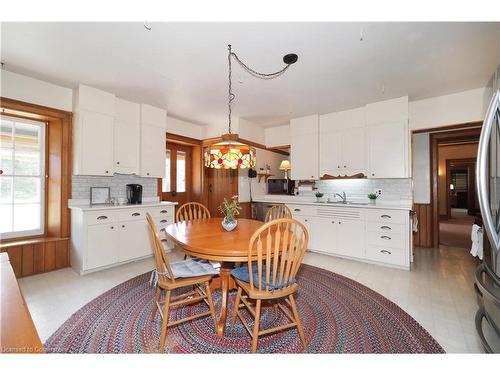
{"x": 373, "y": 201}
{"x": 229, "y": 225}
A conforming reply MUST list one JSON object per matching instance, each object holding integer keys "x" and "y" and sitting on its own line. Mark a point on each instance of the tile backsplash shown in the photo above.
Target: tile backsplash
{"x": 396, "y": 189}
{"x": 80, "y": 185}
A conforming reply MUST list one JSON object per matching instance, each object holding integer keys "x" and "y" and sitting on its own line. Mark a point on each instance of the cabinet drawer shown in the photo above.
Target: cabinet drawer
{"x": 132, "y": 214}
{"x": 162, "y": 212}
{"x": 301, "y": 209}
{"x": 386, "y": 255}
{"x": 387, "y": 216}
{"x": 101, "y": 217}
{"x": 390, "y": 240}
{"x": 385, "y": 228}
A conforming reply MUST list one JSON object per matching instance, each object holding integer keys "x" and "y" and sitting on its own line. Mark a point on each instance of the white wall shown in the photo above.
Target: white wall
{"x": 184, "y": 128}
{"x": 465, "y": 106}
{"x": 263, "y": 157}
{"x": 30, "y": 90}
{"x": 251, "y": 131}
{"x": 277, "y": 136}
{"x": 421, "y": 169}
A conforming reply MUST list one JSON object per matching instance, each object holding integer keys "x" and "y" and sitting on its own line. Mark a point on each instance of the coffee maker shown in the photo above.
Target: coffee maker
{"x": 134, "y": 194}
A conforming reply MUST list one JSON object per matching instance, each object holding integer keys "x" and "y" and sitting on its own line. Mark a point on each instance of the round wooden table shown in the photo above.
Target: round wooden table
{"x": 206, "y": 239}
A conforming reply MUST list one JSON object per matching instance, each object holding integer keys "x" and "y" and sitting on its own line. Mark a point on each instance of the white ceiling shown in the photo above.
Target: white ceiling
{"x": 183, "y": 66}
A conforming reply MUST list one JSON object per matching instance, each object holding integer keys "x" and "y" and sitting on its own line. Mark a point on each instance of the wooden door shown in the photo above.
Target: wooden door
{"x": 177, "y": 185}
{"x": 222, "y": 183}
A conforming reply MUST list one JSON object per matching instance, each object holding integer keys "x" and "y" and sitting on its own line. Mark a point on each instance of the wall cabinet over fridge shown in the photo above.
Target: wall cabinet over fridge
{"x": 153, "y": 141}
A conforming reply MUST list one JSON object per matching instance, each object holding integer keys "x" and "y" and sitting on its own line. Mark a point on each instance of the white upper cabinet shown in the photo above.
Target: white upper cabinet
{"x": 387, "y": 138}
{"x": 126, "y": 137}
{"x": 153, "y": 141}
{"x": 277, "y": 136}
{"x": 342, "y": 143}
{"x": 93, "y": 132}
{"x": 304, "y": 148}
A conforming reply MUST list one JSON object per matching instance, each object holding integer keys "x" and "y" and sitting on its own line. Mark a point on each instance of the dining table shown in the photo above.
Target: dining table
{"x": 207, "y": 239}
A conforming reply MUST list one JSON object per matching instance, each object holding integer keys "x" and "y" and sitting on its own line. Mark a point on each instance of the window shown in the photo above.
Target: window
{"x": 22, "y": 177}
{"x": 177, "y": 179}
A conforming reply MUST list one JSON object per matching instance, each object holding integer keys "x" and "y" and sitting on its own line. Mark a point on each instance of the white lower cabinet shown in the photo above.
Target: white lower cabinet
{"x": 373, "y": 235}
{"x": 114, "y": 235}
{"x": 102, "y": 245}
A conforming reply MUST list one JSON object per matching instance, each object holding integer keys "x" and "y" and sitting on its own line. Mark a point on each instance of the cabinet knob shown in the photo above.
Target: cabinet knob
{"x": 147, "y": 173}
{"x": 305, "y": 220}
{"x": 123, "y": 226}
{"x": 338, "y": 166}
{"x": 333, "y": 222}
{"x": 340, "y": 222}
{"x": 163, "y": 211}
{"x": 385, "y": 252}
{"x": 107, "y": 172}
{"x": 117, "y": 162}
{"x": 385, "y": 227}
{"x": 385, "y": 216}
{"x": 102, "y": 217}
{"x": 297, "y": 209}
{"x": 385, "y": 237}
{"x": 163, "y": 221}
{"x": 345, "y": 166}
{"x": 373, "y": 174}
{"x": 112, "y": 227}
{"x": 136, "y": 214}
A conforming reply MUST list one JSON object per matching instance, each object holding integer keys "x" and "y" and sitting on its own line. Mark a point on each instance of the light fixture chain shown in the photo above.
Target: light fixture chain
{"x": 230, "y": 92}
{"x": 258, "y": 74}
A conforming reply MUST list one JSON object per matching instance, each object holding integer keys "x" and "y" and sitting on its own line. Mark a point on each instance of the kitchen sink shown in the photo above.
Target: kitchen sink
{"x": 348, "y": 203}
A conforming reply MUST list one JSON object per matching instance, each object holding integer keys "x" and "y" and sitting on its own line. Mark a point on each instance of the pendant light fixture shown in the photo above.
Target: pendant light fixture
{"x": 231, "y": 153}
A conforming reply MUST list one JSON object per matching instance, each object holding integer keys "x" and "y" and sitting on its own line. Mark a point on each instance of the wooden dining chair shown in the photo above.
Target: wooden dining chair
{"x": 275, "y": 253}
{"x": 278, "y": 211}
{"x": 166, "y": 281}
{"x": 192, "y": 211}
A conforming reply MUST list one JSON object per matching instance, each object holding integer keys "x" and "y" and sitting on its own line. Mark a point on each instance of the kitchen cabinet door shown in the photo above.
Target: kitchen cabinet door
{"x": 304, "y": 148}
{"x": 353, "y": 147}
{"x": 102, "y": 245}
{"x": 330, "y": 153}
{"x": 93, "y": 144}
{"x": 387, "y": 150}
{"x": 323, "y": 234}
{"x": 350, "y": 238}
{"x": 134, "y": 240}
{"x": 126, "y": 148}
{"x": 153, "y": 148}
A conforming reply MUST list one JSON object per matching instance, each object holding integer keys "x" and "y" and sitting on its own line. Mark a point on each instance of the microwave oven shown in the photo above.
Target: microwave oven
{"x": 280, "y": 186}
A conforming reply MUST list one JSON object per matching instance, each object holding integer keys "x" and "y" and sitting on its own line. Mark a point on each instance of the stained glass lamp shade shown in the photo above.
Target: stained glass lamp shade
{"x": 229, "y": 154}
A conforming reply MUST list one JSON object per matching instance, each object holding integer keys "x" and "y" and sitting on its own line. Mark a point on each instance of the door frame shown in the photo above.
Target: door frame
{"x": 465, "y": 163}
{"x": 195, "y": 176}
{"x": 469, "y": 134}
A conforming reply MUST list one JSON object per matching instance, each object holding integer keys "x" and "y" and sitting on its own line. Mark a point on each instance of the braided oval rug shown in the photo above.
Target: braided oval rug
{"x": 339, "y": 315}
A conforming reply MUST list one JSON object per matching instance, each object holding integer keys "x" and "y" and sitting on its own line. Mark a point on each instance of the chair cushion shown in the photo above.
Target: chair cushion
{"x": 192, "y": 268}
{"x": 241, "y": 273}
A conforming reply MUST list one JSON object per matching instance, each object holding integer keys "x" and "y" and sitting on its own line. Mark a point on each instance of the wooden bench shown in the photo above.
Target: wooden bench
{"x": 37, "y": 255}
{"x": 18, "y": 333}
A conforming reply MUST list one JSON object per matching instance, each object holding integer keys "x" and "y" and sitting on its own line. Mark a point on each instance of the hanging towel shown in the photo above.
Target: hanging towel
{"x": 414, "y": 225}
{"x": 476, "y": 237}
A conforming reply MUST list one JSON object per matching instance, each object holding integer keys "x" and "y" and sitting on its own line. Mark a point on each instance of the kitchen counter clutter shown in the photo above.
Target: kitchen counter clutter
{"x": 103, "y": 236}
{"x": 374, "y": 233}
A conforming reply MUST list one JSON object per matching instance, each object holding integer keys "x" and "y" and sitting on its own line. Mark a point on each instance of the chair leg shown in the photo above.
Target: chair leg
{"x": 297, "y": 320}
{"x": 165, "y": 320}
{"x": 276, "y": 308}
{"x": 255, "y": 336}
{"x": 211, "y": 303}
{"x": 236, "y": 306}
{"x": 155, "y": 301}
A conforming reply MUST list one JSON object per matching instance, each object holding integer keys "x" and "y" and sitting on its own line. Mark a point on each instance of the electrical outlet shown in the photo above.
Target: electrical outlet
{"x": 379, "y": 191}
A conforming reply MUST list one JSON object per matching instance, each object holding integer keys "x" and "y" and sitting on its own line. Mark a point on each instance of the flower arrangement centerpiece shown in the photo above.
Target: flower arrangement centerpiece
{"x": 230, "y": 209}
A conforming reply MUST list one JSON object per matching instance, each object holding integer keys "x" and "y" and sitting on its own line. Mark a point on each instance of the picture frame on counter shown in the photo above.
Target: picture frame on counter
{"x": 99, "y": 195}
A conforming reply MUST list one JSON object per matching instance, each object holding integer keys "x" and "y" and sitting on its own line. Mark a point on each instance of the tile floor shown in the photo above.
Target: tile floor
{"x": 438, "y": 292}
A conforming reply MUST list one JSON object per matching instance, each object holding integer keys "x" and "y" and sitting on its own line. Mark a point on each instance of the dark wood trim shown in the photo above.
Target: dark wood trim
{"x": 183, "y": 140}
{"x": 58, "y": 169}
{"x": 423, "y": 238}
{"x": 211, "y": 141}
{"x": 435, "y": 140}
{"x": 465, "y": 125}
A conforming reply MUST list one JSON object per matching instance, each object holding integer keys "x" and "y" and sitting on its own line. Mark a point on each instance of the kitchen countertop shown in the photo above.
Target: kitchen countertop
{"x": 293, "y": 199}
{"x": 88, "y": 207}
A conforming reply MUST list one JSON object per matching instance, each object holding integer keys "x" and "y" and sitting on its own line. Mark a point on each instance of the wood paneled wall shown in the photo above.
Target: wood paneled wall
{"x": 423, "y": 238}
{"x": 37, "y": 256}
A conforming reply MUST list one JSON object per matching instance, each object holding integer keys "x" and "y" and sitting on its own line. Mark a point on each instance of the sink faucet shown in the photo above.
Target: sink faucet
{"x": 343, "y": 196}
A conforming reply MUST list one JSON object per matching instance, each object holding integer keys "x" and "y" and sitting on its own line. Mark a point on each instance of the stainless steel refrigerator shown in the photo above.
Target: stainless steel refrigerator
{"x": 488, "y": 189}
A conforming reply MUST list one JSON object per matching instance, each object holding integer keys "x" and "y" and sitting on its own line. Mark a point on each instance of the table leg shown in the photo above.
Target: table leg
{"x": 225, "y": 283}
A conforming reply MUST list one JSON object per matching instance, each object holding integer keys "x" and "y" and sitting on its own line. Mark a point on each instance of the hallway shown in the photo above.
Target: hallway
{"x": 455, "y": 232}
